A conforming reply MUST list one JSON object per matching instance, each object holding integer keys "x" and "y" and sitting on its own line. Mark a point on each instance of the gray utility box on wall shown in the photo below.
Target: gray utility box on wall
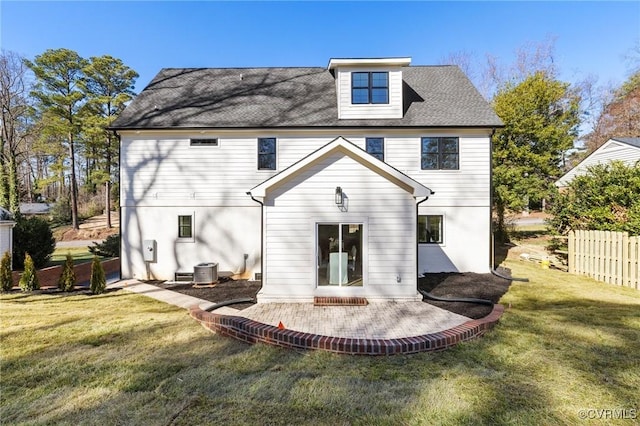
{"x": 205, "y": 273}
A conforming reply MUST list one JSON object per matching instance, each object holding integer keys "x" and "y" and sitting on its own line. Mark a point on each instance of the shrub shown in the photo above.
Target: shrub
{"x": 90, "y": 209}
{"x": 34, "y": 236}
{"x": 67, "y": 279}
{"x": 98, "y": 282}
{"x": 61, "y": 211}
{"x": 6, "y": 279}
{"x": 110, "y": 247}
{"x": 604, "y": 199}
{"x": 29, "y": 280}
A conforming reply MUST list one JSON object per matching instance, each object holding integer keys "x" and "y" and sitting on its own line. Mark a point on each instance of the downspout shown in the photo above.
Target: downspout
{"x": 418, "y": 236}
{"x": 262, "y": 270}
{"x": 492, "y": 255}
{"x": 115, "y": 132}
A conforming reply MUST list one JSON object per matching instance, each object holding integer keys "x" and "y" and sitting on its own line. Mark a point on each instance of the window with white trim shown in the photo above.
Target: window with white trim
{"x": 185, "y": 227}
{"x": 375, "y": 147}
{"x": 266, "y": 153}
{"x": 430, "y": 229}
{"x": 439, "y": 153}
{"x": 370, "y": 87}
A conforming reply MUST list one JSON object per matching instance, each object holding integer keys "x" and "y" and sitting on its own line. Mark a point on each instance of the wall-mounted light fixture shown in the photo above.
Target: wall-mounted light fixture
{"x": 339, "y": 196}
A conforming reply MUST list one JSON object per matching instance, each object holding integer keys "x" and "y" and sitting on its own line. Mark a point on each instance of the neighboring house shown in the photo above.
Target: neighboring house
{"x": 348, "y": 180}
{"x": 32, "y": 209}
{"x": 626, "y": 150}
{"x": 7, "y": 223}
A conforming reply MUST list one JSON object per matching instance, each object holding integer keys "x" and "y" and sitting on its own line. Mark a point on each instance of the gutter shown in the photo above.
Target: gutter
{"x": 335, "y": 127}
{"x": 492, "y": 248}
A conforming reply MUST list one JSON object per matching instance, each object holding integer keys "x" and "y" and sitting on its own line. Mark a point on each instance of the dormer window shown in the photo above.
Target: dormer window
{"x": 369, "y": 87}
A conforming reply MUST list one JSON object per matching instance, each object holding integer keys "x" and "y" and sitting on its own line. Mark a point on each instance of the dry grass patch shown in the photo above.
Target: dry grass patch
{"x": 567, "y": 343}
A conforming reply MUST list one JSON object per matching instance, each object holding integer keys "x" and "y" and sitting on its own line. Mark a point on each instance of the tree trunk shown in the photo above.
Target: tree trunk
{"x": 74, "y": 186}
{"x": 107, "y": 202}
{"x": 4, "y": 179}
{"x": 107, "y": 196}
{"x": 500, "y": 231}
{"x": 14, "y": 186}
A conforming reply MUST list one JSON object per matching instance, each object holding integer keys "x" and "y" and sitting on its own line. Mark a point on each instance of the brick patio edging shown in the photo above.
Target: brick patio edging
{"x": 251, "y": 331}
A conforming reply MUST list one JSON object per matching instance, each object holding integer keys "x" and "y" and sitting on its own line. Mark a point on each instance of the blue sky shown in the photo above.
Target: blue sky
{"x": 591, "y": 37}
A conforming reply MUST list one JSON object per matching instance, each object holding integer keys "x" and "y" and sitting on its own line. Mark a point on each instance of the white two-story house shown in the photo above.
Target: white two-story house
{"x": 349, "y": 180}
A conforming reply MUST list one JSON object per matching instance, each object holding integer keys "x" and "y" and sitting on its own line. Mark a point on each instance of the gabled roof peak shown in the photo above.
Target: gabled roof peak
{"x": 345, "y": 147}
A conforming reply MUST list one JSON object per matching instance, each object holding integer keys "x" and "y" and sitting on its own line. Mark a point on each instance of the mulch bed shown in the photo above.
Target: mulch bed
{"x": 220, "y": 292}
{"x": 456, "y": 285}
{"x": 451, "y": 285}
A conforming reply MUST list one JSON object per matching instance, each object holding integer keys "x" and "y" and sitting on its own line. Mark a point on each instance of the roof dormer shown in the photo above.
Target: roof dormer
{"x": 369, "y": 88}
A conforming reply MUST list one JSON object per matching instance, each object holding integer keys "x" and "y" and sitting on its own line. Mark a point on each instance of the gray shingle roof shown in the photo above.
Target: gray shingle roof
{"x": 434, "y": 96}
{"x": 630, "y": 141}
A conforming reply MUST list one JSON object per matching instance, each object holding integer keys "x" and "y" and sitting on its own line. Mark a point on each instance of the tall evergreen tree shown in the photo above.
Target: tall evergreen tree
{"x": 109, "y": 87}
{"x": 59, "y": 74}
{"x": 541, "y": 115}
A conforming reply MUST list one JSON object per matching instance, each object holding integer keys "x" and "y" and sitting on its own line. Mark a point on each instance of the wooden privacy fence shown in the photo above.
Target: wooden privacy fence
{"x": 612, "y": 257}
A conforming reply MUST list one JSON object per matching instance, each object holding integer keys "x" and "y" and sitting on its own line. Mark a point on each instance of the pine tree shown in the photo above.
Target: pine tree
{"x": 6, "y": 279}
{"x": 29, "y": 280}
{"x": 58, "y": 74}
{"x": 98, "y": 281}
{"x": 67, "y": 279}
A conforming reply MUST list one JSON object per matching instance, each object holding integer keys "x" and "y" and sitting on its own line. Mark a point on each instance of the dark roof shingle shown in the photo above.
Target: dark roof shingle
{"x": 434, "y": 96}
{"x": 630, "y": 141}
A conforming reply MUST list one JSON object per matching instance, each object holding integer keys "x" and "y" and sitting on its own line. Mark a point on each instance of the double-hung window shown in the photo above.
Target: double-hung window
{"x": 370, "y": 87}
{"x": 185, "y": 227}
{"x": 440, "y": 153}
{"x": 430, "y": 229}
{"x": 266, "y": 153}
{"x": 375, "y": 147}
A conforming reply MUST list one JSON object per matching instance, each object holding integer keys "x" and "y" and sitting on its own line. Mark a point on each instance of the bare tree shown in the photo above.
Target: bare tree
{"x": 16, "y": 111}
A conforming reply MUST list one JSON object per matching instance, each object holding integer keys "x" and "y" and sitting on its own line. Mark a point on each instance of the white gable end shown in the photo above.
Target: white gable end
{"x": 608, "y": 152}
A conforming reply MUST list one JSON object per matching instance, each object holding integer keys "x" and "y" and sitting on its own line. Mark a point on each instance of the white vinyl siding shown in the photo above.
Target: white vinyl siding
{"x": 293, "y": 209}
{"x": 347, "y": 110}
{"x": 611, "y": 150}
{"x": 466, "y": 244}
{"x": 467, "y": 186}
{"x": 167, "y": 171}
{"x": 223, "y": 235}
{"x": 161, "y": 170}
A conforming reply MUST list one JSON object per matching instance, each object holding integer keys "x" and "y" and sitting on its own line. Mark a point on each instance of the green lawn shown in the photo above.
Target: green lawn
{"x": 79, "y": 255}
{"x": 566, "y": 344}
